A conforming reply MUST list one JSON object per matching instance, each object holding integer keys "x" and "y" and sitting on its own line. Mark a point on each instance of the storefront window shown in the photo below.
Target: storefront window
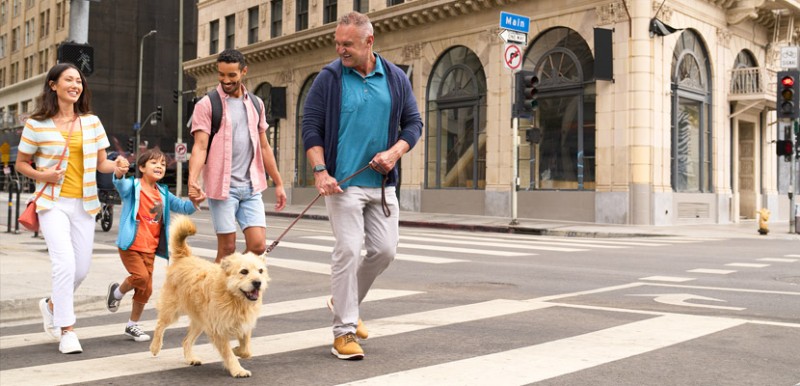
{"x": 304, "y": 177}
{"x": 456, "y": 126}
{"x": 561, "y": 154}
{"x": 691, "y": 125}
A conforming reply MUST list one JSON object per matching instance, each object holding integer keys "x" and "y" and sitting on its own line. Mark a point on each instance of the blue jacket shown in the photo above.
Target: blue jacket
{"x": 323, "y": 105}
{"x": 129, "y": 190}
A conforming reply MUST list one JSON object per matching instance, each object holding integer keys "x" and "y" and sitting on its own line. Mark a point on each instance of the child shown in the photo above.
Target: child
{"x": 144, "y": 222}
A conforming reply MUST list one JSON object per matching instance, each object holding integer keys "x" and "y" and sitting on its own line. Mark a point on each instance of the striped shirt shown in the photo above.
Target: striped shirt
{"x": 44, "y": 142}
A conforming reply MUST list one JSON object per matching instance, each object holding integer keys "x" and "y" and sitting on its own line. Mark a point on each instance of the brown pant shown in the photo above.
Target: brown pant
{"x": 140, "y": 266}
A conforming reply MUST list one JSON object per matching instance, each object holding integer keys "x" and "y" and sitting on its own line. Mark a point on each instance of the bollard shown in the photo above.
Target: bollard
{"x": 797, "y": 219}
{"x": 763, "y": 218}
{"x": 10, "y": 203}
{"x": 16, "y": 227}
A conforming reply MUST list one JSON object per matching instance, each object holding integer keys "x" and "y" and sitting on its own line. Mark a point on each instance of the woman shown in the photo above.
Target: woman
{"x": 69, "y": 203}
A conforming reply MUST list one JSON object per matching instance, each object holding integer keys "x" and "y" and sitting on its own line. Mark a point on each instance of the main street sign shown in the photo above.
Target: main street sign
{"x": 515, "y": 22}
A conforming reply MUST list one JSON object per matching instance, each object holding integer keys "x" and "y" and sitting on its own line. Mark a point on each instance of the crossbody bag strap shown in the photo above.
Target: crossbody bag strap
{"x": 60, "y": 159}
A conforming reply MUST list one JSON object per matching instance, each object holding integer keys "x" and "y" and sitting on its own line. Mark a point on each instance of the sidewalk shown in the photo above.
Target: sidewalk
{"x": 25, "y": 265}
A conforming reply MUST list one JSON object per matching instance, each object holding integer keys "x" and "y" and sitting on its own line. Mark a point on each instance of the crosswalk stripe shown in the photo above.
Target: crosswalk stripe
{"x": 547, "y": 360}
{"x": 777, "y": 260}
{"x": 399, "y": 256}
{"x": 747, "y": 265}
{"x": 640, "y": 242}
{"x": 712, "y": 271}
{"x": 298, "y": 265}
{"x": 443, "y": 249}
{"x": 527, "y": 244}
{"x": 170, "y": 359}
{"x": 524, "y": 242}
{"x": 268, "y": 309}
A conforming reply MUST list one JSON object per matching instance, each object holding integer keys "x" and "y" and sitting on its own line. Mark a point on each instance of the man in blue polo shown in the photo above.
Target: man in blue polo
{"x": 360, "y": 110}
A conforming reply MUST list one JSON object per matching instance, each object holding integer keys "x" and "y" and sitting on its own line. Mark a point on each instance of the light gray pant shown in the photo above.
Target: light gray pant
{"x": 357, "y": 219}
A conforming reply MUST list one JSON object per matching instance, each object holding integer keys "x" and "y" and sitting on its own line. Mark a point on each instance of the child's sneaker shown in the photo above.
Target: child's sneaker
{"x": 112, "y": 303}
{"x": 136, "y": 333}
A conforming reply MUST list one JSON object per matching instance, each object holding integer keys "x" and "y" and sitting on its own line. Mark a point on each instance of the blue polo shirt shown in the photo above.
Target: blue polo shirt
{"x": 363, "y": 124}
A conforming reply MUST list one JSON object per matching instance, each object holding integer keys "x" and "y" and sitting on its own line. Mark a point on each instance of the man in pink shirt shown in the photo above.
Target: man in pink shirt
{"x": 234, "y": 180}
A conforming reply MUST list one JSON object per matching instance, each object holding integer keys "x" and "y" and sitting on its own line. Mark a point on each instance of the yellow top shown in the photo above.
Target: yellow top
{"x": 73, "y": 178}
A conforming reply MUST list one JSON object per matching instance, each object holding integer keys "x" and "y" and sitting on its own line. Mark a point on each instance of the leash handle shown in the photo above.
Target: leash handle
{"x": 285, "y": 231}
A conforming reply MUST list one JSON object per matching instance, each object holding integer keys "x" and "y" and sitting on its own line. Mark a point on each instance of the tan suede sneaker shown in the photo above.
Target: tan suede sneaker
{"x": 361, "y": 329}
{"x": 346, "y": 347}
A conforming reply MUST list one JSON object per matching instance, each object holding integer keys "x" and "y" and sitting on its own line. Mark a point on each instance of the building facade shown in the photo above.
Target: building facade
{"x": 680, "y": 131}
{"x": 31, "y": 32}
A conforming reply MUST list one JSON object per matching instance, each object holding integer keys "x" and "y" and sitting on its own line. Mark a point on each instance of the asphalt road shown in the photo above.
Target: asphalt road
{"x": 472, "y": 308}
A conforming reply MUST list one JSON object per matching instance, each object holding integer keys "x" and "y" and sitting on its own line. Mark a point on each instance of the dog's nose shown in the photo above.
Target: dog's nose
{"x": 257, "y": 284}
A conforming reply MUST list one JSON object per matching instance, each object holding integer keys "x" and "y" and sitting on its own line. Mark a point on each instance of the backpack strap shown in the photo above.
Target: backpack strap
{"x": 216, "y": 116}
{"x": 216, "y": 113}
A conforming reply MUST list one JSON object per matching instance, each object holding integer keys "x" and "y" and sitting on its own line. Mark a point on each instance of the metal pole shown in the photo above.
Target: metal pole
{"x": 10, "y": 204}
{"x": 179, "y": 166}
{"x": 792, "y": 180}
{"x": 515, "y": 171}
{"x": 138, "y": 125}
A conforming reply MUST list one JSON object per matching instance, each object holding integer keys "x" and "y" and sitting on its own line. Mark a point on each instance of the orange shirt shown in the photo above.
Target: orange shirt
{"x": 149, "y": 217}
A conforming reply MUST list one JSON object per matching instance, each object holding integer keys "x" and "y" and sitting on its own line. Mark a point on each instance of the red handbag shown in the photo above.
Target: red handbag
{"x": 29, "y": 218}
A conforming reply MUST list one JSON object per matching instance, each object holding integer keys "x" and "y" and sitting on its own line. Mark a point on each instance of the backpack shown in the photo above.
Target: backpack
{"x": 216, "y": 113}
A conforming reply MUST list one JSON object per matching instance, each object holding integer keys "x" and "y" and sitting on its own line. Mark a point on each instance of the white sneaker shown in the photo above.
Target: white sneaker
{"x": 47, "y": 320}
{"x": 70, "y": 343}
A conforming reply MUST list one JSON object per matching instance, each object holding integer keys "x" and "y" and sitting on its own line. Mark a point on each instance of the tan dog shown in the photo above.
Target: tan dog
{"x": 221, "y": 300}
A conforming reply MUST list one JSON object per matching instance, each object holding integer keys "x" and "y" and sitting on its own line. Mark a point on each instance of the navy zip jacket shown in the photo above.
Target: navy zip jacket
{"x": 323, "y": 105}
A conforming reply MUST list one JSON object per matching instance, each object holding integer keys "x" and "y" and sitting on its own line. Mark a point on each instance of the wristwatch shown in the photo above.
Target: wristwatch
{"x": 319, "y": 168}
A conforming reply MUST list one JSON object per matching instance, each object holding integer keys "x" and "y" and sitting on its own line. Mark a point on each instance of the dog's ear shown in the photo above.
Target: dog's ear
{"x": 225, "y": 264}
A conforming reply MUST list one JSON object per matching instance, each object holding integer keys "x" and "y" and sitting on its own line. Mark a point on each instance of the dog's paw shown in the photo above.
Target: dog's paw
{"x": 241, "y": 354}
{"x": 193, "y": 362}
{"x": 241, "y": 373}
{"x": 155, "y": 348}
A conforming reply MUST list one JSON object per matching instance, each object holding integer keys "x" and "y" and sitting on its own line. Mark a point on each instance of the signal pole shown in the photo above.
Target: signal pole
{"x": 179, "y": 164}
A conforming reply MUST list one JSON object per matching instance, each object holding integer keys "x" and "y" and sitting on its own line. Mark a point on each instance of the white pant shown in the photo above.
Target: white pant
{"x": 357, "y": 219}
{"x": 68, "y": 231}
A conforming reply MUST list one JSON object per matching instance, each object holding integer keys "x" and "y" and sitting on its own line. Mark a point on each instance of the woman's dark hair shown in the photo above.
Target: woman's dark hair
{"x": 148, "y": 155}
{"x": 47, "y": 101}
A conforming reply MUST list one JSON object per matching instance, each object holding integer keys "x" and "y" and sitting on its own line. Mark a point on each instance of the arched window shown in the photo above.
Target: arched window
{"x": 273, "y": 134}
{"x": 456, "y": 127}
{"x": 303, "y": 175}
{"x": 746, "y": 76}
{"x": 562, "y": 152}
{"x": 691, "y": 116}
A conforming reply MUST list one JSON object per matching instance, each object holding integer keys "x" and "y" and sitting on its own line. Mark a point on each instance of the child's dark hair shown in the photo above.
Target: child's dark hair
{"x": 148, "y": 155}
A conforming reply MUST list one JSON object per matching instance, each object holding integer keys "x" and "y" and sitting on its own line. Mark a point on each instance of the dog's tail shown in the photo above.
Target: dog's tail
{"x": 181, "y": 228}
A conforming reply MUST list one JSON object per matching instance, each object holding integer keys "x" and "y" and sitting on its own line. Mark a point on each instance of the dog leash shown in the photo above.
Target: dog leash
{"x": 359, "y": 171}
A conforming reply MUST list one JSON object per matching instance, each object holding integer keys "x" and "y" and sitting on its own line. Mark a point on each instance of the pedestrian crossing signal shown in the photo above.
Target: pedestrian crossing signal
{"x": 784, "y": 147}
{"x": 81, "y": 55}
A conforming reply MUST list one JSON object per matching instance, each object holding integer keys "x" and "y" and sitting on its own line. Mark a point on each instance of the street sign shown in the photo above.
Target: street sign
{"x": 180, "y": 152}
{"x": 512, "y": 57}
{"x": 790, "y": 57}
{"x": 515, "y": 22}
{"x": 509, "y": 36}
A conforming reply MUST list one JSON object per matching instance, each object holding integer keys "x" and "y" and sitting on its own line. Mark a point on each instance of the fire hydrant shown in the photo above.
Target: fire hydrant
{"x": 763, "y": 218}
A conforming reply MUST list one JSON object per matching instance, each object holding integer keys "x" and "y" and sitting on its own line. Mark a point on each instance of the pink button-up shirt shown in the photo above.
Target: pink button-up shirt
{"x": 217, "y": 171}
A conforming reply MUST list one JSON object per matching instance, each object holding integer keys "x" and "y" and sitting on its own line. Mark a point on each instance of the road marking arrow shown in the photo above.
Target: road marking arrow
{"x": 682, "y": 300}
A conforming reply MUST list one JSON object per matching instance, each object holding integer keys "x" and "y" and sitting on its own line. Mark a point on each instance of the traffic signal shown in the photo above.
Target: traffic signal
{"x": 526, "y": 103}
{"x": 131, "y": 146}
{"x": 784, "y": 147}
{"x": 175, "y": 96}
{"x": 159, "y": 113}
{"x": 788, "y": 94}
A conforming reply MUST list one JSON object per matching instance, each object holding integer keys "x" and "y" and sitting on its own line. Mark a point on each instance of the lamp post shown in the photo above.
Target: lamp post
{"x": 138, "y": 125}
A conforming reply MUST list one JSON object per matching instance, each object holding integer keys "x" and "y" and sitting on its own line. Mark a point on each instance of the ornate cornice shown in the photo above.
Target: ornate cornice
{"x": 396, "y": 18}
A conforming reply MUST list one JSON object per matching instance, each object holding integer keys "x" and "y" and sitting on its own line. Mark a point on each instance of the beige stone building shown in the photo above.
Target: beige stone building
{"x": 680, "y": 131}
